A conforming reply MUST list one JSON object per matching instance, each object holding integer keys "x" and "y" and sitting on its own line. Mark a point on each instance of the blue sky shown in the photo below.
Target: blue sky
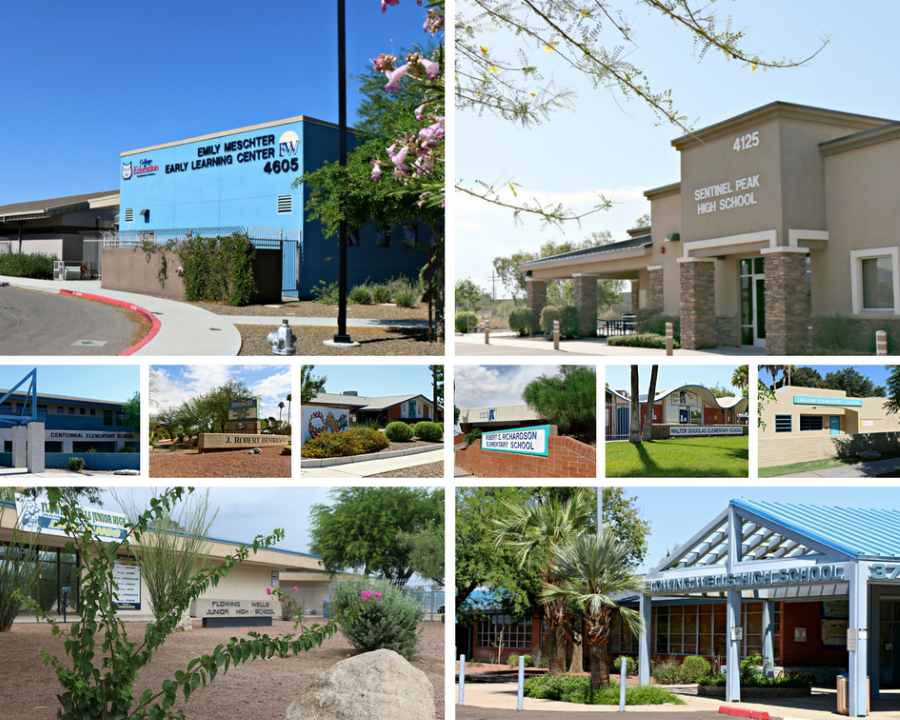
{"x": 614, "y": 146}
{"x": 496, "y": 385}
{"x": 376, "y": 380}
{"x": 618, "y": 377}
{"x": 677, "y": 513}
{"x": 89, "y": 82}
{"x": 172, "y": 385}
{"x": 116, "y": 383}
{"x": 878, "y": 374}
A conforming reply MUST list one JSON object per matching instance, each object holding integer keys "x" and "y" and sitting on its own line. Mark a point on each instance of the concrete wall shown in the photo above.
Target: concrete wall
{"x": 129, "y": 270}
{"x": 566, "y": 458}
{"x": 794, "y": 449}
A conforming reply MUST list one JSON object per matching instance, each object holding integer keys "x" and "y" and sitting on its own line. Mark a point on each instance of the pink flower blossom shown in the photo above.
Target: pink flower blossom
{"x": 432, "y": 68}
{"x": 384, "y": 63}
{"x": 268, "y": 591}
{"x": 395, "y": 77}
{"x": 385, "y": 3}
{"x": 400, "y": 157}
{"x": 376, "y": 172}
{"x": 295, "y": 588}
{"x": 420, "y": 113}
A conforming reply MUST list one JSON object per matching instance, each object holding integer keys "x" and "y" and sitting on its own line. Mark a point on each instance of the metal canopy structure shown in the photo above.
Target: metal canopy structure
{"x": 30, "y": 400}
{"x": 779, "y": 552}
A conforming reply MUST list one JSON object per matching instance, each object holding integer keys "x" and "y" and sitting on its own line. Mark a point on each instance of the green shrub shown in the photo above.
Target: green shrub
{"x": 521, "y": 321}
{"x": 372, "y": 424}
{"x": 473, "y": 436}
{"x": 327, "y": 294}
{"x": 389, "y": 622}
{"x": 360, "y": 295}
{"x": 646, "y": 340}
{"x": 406, "y": 296}
{"x": 441, "y": 426}
{"x": 667, "y": 672}
{"x": 630, "y": 666}
{"x": 76, "y": 464}
{"x": 398, "y": 432}
{"x": 793, "y": 679}
{"x": 568, "y": 320}
{"x": 652, "y": 321}
{"x": 428, "y": 431}
{"x": 466, "y": 322}
{"x": 355, "y": 441}
{"x": 218, "y": 269}
{"x": 381, "y": 294}
{"x": 28, "y": 265}
{"x": 513, "y": 661}
{"x": 695, "y": 667}
{"x": 577, "y": 689}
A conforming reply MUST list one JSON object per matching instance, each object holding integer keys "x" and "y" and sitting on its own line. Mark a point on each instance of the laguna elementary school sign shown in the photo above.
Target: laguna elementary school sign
{"x": 524, "y": 441}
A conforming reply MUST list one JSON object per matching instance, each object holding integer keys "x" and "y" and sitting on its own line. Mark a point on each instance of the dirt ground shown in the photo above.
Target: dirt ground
{"x": 258, "y": 690}
{"x": 270, "y": 463}
{"x": 372, "y": 341}
{"x": 307, "y": 308}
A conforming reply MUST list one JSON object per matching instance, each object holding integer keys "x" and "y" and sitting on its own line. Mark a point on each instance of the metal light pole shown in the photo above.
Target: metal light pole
{"x": 342, "y": 338}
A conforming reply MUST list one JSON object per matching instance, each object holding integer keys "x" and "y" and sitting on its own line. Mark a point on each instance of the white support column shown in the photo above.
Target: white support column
{"x": 733, "y": 611}
{"x": 874, "y": 664}
{"x": 19, "y": 435}
{"x": 644, "y": 641}
{"x": 36, "y": 462}
{"x": 768, "y": 620}
{"x": 859, "y": 607}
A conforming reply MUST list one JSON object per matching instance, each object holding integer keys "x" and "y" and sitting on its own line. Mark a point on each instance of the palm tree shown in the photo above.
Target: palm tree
{"x": 280, "y": 408}
{"x": 589, "y": 570}
{"x": 289, "y": 407}
{"x": 774, "y": 371}
{"x": 534, "y": 532}
{"x": 634, "y": 432}
{"x": 647, "y": 433}
{"x": 741, "y": 378}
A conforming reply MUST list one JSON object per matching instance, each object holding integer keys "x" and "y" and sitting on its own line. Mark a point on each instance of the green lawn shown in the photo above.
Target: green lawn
{"x": 690, "y": 457}
{"x": 820, "y": 465}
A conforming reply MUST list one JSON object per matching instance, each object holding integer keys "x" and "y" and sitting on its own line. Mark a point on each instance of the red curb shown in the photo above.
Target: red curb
{"x": 155, "y": 324}
{"x": 740, "y": 712}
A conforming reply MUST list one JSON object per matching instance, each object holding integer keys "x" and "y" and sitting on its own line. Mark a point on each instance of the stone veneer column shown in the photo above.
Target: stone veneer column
{"x": 787, "y": 301}
{"x": 19, "y": 437}
{"x": 586, "y": 303}
{"x": 36, "y": 463}
{"x": 655, "y": 296}
{"x": 635, "y": 296}
{"x": 535, "y": 297}
{"x": 698, "y": 303}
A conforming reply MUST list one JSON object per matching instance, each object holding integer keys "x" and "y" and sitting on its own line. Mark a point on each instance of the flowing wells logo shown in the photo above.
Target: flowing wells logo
{"x": 126, "y": 171}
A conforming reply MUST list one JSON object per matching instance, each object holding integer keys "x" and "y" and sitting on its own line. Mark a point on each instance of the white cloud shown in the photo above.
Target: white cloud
{"x": 479, "y": 386}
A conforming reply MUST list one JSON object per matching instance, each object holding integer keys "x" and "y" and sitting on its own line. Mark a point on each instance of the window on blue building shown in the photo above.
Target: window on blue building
{"x": 382, "y": 236}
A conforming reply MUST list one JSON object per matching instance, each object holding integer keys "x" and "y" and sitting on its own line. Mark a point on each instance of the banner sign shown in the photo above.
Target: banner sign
{"x": 524, "y": 441}
{"x": 755, "y": 578}
{"x": 807, "y": 400}
{"x": 127, "y": 576}
{"x": 706, "y": 430}
{"x": 35, "y": 516}
{"x": 243, "y": 409}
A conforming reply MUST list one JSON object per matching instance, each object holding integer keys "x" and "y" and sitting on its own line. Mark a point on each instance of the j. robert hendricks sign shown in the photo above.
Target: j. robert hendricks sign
{"x": 754, "y": 578}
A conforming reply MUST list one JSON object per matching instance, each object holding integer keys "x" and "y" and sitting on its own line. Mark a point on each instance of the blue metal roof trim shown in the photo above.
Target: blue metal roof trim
{"x": 855, "y": 532}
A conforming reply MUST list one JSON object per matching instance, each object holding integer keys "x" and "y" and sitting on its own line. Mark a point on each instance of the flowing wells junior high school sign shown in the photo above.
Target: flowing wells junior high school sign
{"x": 524, "y": 441}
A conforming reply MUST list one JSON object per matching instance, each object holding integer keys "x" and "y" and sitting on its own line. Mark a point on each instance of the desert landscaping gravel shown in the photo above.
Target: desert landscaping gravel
{"x": 259, "y": 690}
{"x": 373, "y": 341}
{"x": 228, "y": 464}
{"x": 428, "y": 470}
{"x": 315, "y": 309}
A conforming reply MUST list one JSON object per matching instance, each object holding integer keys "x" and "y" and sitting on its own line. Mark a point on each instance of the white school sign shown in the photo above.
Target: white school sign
{"x": 706, "y": 430}
{"x": 524, "y": 441}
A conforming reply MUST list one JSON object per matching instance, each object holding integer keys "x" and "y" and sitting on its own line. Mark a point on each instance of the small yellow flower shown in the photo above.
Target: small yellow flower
{"x": 484, "y": 50}
{"x": 753, "y": 68}
{"x": 533, "y": 94}
{"x": 493, "y": 68}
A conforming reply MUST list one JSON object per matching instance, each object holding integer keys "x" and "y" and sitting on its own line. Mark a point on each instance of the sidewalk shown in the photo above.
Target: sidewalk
{"x": 867, "y": 469}
{"x": 185, "y": 329}
{"x": 473, "y": 344}
{"x": 19, "y": 474}
{"x": 372, "y": 467}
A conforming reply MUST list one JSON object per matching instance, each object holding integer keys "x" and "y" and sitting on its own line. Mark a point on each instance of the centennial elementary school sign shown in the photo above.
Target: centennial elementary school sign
{"x": 524, "y": 441}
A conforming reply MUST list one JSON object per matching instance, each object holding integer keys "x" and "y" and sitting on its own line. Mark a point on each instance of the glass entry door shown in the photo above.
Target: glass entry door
{"x": 753, "y": 302}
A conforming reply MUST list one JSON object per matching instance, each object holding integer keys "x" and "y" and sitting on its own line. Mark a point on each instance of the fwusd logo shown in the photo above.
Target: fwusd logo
{"x": 288, "y": 144}
{"x": 126, "y": 171}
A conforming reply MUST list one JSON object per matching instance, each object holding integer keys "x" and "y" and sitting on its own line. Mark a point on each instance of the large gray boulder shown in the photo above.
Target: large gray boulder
{"x": 379, "y": 685}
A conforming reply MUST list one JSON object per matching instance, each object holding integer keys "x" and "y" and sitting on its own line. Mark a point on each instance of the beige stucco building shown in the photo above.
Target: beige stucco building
{"x": 783, "y": 215}
{"x": 804, "y": 424}
{"x": 248, "y": 582}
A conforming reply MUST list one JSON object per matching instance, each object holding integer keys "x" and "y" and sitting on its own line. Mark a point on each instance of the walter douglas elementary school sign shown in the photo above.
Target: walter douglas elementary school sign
{"x": 524, "y": 441}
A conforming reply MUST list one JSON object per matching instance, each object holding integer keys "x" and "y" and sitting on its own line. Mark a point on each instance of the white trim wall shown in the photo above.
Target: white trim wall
{"x": 856, "y": 256}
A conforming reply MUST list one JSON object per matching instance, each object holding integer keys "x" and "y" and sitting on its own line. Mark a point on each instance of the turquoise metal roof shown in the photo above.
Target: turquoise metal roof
{"x": 861, "y": 534}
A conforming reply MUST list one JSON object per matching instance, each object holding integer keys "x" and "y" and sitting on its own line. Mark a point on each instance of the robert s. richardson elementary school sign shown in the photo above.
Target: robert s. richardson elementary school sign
{"x": 524, "y": 441}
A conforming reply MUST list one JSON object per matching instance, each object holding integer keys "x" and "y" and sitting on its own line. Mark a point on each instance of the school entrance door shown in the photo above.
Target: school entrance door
{"x": 753, "y": 302}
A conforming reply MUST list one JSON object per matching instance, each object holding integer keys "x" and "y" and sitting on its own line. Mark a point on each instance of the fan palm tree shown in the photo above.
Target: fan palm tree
{"x": 741, "y": 377}
{"x": 289, "y": 407}
{"x": 535, "y": 531}
{"x": 589, "y": 570}
{"x": 280, "y": 408}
